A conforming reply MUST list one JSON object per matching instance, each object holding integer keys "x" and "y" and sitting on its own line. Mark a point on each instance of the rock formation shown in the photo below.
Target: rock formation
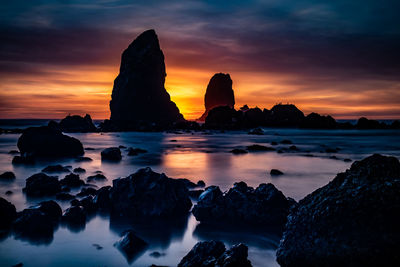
{"x": 352, "y": 221}
{"x": 77, "y": 124}
{"x": 138, "y": 95}
{"x": 219, "y": 93}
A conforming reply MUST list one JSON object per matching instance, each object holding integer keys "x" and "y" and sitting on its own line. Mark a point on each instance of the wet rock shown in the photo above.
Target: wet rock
{"x": 87, "y": 191}
{"x": 79, "y": 170}
{"x": 111, "y": 153}
{"x": 213, "y": 253}
{"x": 23, "y": 160}
{"x": 88, "y": 204}
{"x": 130, "y": 196}
{"x": 239, "y": 151}
{"x": 83, "y": 159}
{"x": 75, "y": 215}
{"x": 7, "y": 176}
{"x": 7, "y": 214}
{"x": 64, "y": 196}
{"x": 131, "y": 245}
{"x": 38, "y": 223}
{"x": 135, "y": 151}
{"x": 351, "y": 221}
{"x": 264, "y": 206}
{"x": 138, "y": 95}
{"x": 97, "y": 177}
{"x": 102, "y": 199}
{"x": 72, "y": 180}
{"x": 256, "y": 131}
{"x": 55, "y": 168}
{"x": 254, "y": 148}
{"x": 40, "y": 184}
{"x": 9, "y": 192}
{"x": 275, "y": 172}
{"x": 195, "y": 193}
{"x": 77, "y": 124}
{"x": 219, "y": 93}
{"x": 48, "y": 142}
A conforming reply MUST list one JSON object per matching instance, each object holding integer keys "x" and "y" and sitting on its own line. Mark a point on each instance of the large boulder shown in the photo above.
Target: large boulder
{"x": 7, "y": 214}
{"x": 139, "y": 95}
{"x": 49, "y": 142}
{"x": 219, "y": 93}
{"x": 149, "y": 194}
{"x": 77, "y": 124}
{"x": 213, "y": 253}
{"x": 264, "y": 206}
{"x": 38, "y": 223}
{"x": 352, "y": 221}
{"x": 286, "y": 115}
{"x": 40, "y": 184}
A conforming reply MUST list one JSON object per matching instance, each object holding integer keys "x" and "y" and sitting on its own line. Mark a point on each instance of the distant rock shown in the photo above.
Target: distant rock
{"x": 48, "y": 142}
{"x": 56, "y": 168}
{"x": 214, "y": 254}
{"x": 275, "y": 172}
{"x": 219, "y": 93}
{"x": 238, "y": 151}
{"x": 223, "y": 117}
{"x": 131, "y": 245}
{"x": 40, "y": 184}
{"x": 7, "y": 176}
{"x": 255, "y": 148}
{"x": 77, "y": 124}
{"x": 7, "y": 214}
{"x": 138, "y": 95}
{"x": 83, "y": 159}
{"x": 316, "y": 121}
{"x": 352, "y": 221}
{"x": 284, "y": 115}
{"x": 256, "y": 131}
{"x": 364, "y": 124}
{"x": 264, "y": 206}
{"x": 111, "y": 154}
{"x": 253, "y": 117}
{"x": 130, "y": 196}
{"x": 72, "y": 180}
{"x": 135, "y": 151}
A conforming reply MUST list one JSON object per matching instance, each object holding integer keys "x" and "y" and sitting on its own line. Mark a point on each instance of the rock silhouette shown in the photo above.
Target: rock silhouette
{"x": 139, "y": 96}
{"x": 77, "y": 124}
{"x": 219, "y": 93}
{"x": 352, "y": 221}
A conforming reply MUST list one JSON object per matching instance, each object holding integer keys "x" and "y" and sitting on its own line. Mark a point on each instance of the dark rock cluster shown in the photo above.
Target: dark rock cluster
{"x": 352, "y": 221}
{"x": 75, "y": 124}
{"x": 264, "y": 206}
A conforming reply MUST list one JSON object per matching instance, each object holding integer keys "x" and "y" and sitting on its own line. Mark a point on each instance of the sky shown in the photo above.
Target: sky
{"x": 337, "y": 57}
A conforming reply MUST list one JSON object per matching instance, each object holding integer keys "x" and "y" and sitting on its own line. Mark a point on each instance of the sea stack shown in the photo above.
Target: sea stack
{"x": 139, "y": 96}
{"x": 219, "y": 93}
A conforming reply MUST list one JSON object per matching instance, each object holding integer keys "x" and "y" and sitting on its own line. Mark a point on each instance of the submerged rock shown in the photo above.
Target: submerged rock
{"x": 56, "y": 168}
{"x": 260, "y": 148}
{"x": 40, "y": 184}
{"x": 6, "y": 176}
{"x": 138, "y": 94}
{"x": 97, "y": 177}
{"x": 239, "y": 151}
{"x": 135, "y": 151}
{"x": 111, "y": 153}
{"x": 77, "y": 124}
{"x": 219, "y": 93}
{"x": 7, "y": 214}
{"x": 75, "y": 215}
{"x": 49, "y": 142}
{"x": 264, "y": 206}
{"x": 213, "y": 254}
{"x": 130, "y": 245}
{"x": 147, "y": 193}
{"x": 352, "y": 221}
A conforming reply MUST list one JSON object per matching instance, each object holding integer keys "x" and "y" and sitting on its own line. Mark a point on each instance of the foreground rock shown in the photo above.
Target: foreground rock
{"x": 40, "y": 184}
{"x": 111, "y": 154}
{"x": 264, "y": 206}
{"x": 352, "y": 221}
{"x": 147, "y": 193}
{"x": 7, "y": 176}
{"x": 38, "y": 223}
{"x": 130, "y": 245}
{"x": 7, "y": 214}
{"x": 214, "y": 253}
{"x": 138, "y": 95}
{"x": 49, "y": 142}
{"x": 77, "y": 124}
{"x": 219, "y": 93}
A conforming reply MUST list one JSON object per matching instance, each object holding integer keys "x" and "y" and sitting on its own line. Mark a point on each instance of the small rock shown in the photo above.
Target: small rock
{"x": 7, "y": 213}
{"x": 7, "y": 176}
{"x": 347, "y": 160}
{"x": 201, "y": 183}
{"x": 275, "y": 172}
{"x": 274, "y": 143}
{"x": 87, "y": 192}
{"x": 156, "y": 254}
{"x": 72, "y": 180}
{"x": 55, "y": 168}
{"x": 256, "y": 131}
{"x": 111, "y": 153}
{"x": 98, "y": 178}
{"x": 97, "y": 246}
{"x": 64, "y": 196}
{"x": 41, "y": 184}
{"x": 130, "y": 245}
{"x": 9, "y": 192}
{"x": 75, "y": 215}
{"x": 293, "y": 147}
{"x": 239, "y": 151}
{"x": 259, "y": 148}
{"x": 79, "y": 170}
{"x": 13, "y": 152}
{"x": 286, "y": 142}
{"x": 83, "y": 159}
{"x": 135, "y": 151}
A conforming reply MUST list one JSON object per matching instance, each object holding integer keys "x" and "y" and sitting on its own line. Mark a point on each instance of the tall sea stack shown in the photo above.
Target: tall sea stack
{"x": 139, "y": 96}
{"x": 219, "y": 93}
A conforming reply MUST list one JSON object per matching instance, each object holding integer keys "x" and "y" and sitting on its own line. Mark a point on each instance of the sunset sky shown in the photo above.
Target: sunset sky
{"x": 332, "y": 57}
